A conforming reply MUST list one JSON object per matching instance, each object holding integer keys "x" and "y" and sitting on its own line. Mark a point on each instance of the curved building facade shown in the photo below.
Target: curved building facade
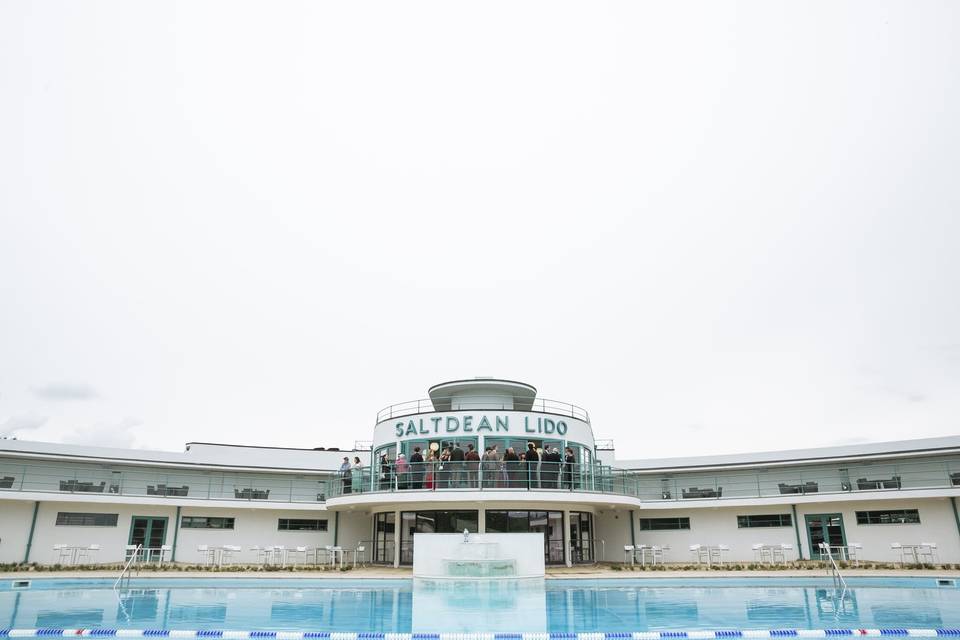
{"x": 485, "y": 455}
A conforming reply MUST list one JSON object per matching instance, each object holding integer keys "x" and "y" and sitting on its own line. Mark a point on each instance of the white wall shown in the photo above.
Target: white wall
{"x": 252, "y": 527}
{"x": 937, "y": 524}
{"x": 719, "y": 526}
{"x": 15, "y": 517}
{"x": 613, "y": 527}
{"x": 113, "y": 540}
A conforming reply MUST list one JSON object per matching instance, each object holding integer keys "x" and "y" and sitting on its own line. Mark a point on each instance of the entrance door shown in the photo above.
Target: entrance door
{"x": 150, "y": 533}
{"x": 824, "y": 527}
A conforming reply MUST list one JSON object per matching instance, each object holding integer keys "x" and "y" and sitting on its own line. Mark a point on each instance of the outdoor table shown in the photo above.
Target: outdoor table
{"x": 711, "y": 551}
{"x": 913, "y": 550}
{"x": 652, "y": 551}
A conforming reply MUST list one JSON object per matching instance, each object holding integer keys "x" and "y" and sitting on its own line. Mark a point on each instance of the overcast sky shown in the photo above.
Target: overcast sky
{"x": 717, "y": 226}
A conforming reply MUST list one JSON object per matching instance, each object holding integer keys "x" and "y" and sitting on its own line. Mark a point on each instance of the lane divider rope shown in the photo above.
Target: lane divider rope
{"x": 216, "y": 634}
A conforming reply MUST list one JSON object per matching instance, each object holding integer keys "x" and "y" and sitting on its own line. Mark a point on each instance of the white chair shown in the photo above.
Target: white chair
{"x": 360, "y": 551}
{"x": 130, "y": 551}
{"x": 227, "y": 554}
{"x": 658, "y": 553}
{"x": 337, "y": 551}
{"x": 853, "y": 553}
{"x": 164, "y": 549}
{"x": 207, "y": 554}
{"x": 897, "y": 548}
{"x": 928, "y": 552}
{"x": 298, "y": 553}
{"x": 64, "y": 553}
{"x": 717, "y": 553}
{"x": 783, "y": 552}
{"x": 702, "y": 553}
{"x": 628, "y": 551}
{"x": 85, "y": 554}
{"x": 758, "y": 552}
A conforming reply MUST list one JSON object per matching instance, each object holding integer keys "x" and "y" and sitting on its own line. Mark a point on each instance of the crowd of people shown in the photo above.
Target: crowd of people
{"x": 458, "y": 467}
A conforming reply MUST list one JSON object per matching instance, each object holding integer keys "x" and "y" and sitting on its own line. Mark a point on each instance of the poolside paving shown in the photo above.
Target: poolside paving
{"x": 591, "y": 572}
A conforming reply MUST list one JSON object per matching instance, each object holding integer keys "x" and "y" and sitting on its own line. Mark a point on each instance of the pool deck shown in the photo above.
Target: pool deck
{"x": 589, "y": 572}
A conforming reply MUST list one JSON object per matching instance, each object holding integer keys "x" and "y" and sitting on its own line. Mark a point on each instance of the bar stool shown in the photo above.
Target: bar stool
{"x": 898, "y": 549}
{"x": 628, "y": 550}
{"x": 86, "y": 553}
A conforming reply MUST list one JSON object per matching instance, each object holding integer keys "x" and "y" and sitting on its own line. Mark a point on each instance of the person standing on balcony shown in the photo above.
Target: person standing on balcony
{"x": 456, "y": 462}
{"x": 511, "y": 465}
{"x": 442, "y": 479}
{"x": 356, "y": 472}
{"x": 533, "y": 460}
{"x": 473, "y": 466}
{"x": 416, "y": 469}
{"x": 489, "y": 467}
{"x": 570, "y": 462}
{"x": 345, "y": 475}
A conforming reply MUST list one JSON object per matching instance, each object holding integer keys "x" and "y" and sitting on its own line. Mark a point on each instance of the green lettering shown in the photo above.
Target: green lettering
{"x": 505, "y": 421}
{"x": 548, "y": 425}
{"x": 436, "y": 423}
{"x": 467, "y": 421}
{"x": 422, "y": 430}
{"x": 562, "y": 427}
{"x": 399, "y": 429}
{"x": 484, "y": 424}
{"x": 455, "y": 424}
{"x": 526, "y": 425}
{"x": 411, "y": 429}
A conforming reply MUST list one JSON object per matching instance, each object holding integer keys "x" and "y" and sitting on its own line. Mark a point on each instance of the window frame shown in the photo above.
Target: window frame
{"x": 865, "y": 518}
{"x": 647, "y": 524}
{"x": 323, "y": 524}
{"x": 83, "y": 516}
{"x": 223, "y": 519}
{"x": 749, "y": 521}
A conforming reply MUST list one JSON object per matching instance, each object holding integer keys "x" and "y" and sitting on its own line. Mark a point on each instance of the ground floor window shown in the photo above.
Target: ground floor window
{"x": 663, "y": 524}
{"x": 413, "y": 522}
{"x": 765, "y": 520}
{"x": 549, "y": 523}
{"x": 892, "y": 516}
{"x": 581, "y": 537}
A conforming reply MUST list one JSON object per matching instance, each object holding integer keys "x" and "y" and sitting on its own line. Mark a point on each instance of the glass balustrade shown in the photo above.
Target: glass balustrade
{"x": 648, "y": 486}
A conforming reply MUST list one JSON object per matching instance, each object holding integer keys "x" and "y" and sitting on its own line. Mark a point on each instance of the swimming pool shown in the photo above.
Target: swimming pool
{"x": 556, "y": 606}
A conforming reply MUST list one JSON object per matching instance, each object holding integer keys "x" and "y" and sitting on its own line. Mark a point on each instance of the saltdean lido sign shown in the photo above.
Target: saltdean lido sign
{"x": 442, "y": 425}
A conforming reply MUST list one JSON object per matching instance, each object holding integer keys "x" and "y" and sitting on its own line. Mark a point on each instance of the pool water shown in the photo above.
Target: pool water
{"x": 514, "y": 606}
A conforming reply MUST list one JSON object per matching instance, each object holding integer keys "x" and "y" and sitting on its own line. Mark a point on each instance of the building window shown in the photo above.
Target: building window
{"x": 204, "y": 522}
{"x": 766, "y": 520}
{"x": 87, "y": 519}
{"x": 893, "y": 516}
{"x": 663, "y": 524}
{"x": 298, "y": 524}
{"x": 549, "y": 523}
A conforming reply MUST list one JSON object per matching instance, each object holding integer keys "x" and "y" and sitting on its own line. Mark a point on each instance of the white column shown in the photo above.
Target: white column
{"x": 482, "y": 520}
{"x": 397, "y": 536}
{"x": 566, "y": 538}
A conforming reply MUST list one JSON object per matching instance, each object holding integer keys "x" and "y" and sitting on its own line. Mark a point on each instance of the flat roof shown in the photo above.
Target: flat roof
{"x": 919, "y": 446}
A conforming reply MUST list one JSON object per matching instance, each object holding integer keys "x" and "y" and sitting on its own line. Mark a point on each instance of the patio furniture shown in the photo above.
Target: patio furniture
{"x": 6, "y": 482}
{"x": 207, "y": 554}
{"x": 802, "y": 488}
{"x": 869, "y": 485}
{"x": 628, "y": 553}
{"x": 85, "y": 554}
{"x": 82, "y": 487}
{"x": 927, "y": 553}
{"x": 251, "y": 494}
{"x": 164, "y": 490}
{"x": 64, "y": 553}
{"x": 694, "y": 492}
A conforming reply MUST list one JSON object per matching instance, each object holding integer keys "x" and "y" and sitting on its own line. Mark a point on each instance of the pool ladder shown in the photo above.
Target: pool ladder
{"x": 838, "y": 580}
{"x": 127, "y": 566}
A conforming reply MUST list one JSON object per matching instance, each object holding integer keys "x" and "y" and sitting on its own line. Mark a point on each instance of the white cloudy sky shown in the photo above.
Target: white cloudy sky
{"x": 718, "y": 226}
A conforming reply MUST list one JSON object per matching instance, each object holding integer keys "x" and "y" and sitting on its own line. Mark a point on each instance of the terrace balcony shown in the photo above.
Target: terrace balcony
{"x": 32, "y": 479}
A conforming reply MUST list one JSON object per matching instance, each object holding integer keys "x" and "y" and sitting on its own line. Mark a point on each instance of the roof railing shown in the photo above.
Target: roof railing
{"x": 429, "y": 405}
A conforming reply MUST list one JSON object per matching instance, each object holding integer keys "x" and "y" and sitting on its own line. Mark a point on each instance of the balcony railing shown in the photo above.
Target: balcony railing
{"x": 539, "y": 405}
{"x": 681, "y": 488}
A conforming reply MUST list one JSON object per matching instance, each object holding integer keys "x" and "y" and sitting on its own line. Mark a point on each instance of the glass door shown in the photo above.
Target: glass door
{"x": 150, "y": 533}
{"x": 384, "y": 525}
{"x": 581, "y": 532}
{"x": 824, "y": 527}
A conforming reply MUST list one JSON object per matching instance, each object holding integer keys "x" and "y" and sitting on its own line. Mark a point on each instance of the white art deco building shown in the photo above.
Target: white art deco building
{"x": 587, "y": 504}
